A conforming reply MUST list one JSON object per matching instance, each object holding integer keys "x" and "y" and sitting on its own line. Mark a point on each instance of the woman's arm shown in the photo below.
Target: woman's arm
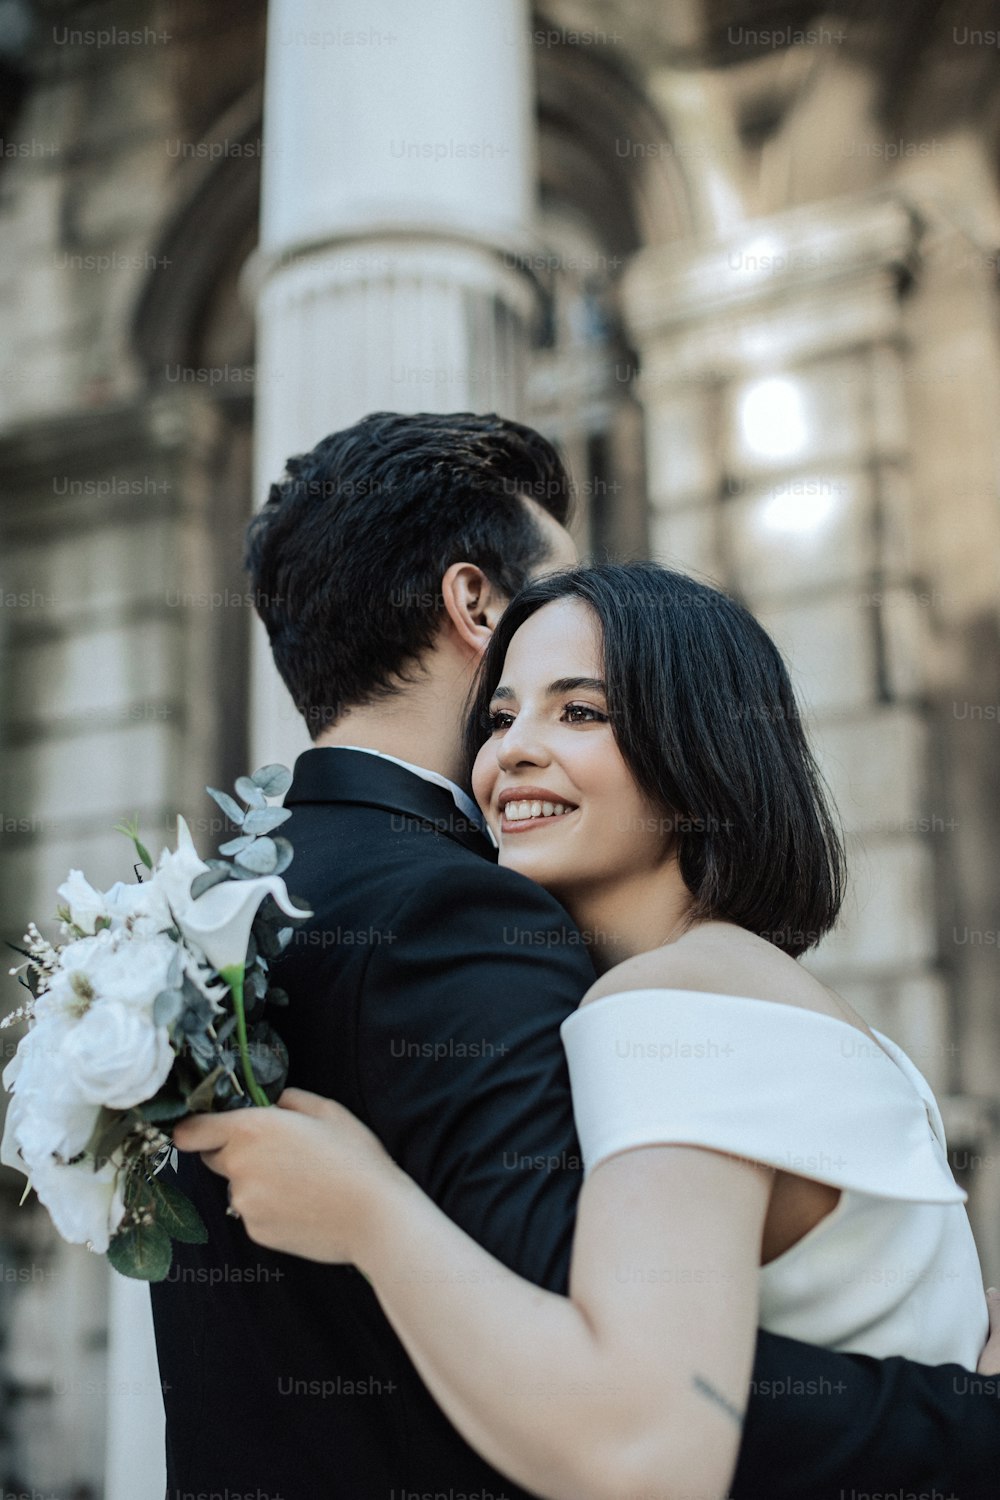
{"x": 633, "y": 1386}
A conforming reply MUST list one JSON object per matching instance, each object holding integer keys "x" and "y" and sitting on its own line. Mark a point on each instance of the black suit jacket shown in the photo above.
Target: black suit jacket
{"x": 426, "y": 995}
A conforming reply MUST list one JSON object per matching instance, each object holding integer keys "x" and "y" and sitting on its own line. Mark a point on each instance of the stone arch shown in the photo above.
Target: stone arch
{"x": 591, "y": 115}
{"x": 208, "y": 231}
{"x": 609, "y": 185}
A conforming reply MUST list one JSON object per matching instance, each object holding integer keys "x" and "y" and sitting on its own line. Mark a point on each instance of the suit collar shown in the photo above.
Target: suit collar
{"x": 340, "y": 775}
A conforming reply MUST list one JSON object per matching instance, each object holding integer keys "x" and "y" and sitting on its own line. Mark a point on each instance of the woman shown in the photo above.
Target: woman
{"x": 754, "y": 1154}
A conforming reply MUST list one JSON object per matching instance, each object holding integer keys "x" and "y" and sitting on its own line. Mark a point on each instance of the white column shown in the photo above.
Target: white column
{"x": 135, "y": 1462}
{"x": 398, "y": 195}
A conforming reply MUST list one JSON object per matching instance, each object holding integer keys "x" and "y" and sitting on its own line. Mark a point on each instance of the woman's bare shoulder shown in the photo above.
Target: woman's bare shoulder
{"x": 722, "y": 959}
{"x": 682, "y": 965}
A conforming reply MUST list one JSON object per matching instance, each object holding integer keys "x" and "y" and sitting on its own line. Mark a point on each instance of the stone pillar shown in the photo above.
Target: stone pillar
{"x": 772, "y": 377}
{"x": 398, "y": 198}
{"x": 134, "y": 1457}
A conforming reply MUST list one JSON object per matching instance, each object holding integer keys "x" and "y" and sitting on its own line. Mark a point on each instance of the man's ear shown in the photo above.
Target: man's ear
{"x": 473, "y": 604}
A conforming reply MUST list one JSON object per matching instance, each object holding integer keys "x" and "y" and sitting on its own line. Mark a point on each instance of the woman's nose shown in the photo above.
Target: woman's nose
{"x": 522, "y": 744}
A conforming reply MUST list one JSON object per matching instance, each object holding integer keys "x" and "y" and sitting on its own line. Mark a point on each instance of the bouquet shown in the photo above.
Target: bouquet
{"x": 149, "y": 1009}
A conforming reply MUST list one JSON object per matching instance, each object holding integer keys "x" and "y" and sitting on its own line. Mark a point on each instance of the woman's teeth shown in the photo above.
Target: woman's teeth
{"x": 516, "y": 812}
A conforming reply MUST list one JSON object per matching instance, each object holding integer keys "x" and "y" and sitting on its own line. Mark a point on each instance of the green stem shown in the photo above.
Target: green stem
{"x": 234, "y": 978}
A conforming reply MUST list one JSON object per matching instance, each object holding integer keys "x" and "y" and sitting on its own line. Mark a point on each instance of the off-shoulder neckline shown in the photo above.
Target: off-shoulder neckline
{"x": 890, "y": 1049}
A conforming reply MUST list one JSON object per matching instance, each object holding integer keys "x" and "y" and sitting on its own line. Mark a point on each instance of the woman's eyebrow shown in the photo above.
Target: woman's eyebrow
{"x": 561, "y": 685}
{"x": 570, "y": 685}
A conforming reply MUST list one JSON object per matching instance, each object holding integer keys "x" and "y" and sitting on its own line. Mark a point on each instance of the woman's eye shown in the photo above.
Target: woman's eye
{"x": 498, "y": 718}
{"x": 583, "y": 713}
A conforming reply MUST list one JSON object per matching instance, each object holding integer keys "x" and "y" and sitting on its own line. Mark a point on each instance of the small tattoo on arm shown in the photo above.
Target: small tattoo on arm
{"x": 717, "y": 1398}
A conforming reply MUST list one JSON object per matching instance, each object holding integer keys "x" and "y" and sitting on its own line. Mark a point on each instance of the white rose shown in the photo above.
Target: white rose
{"x": 116, "y": 1056}
{"x": 37, "y": 1133}
{"x": 85, "y": 904}
{"x": 86, "y": 1206}
{"x": 110, "y": 966}
{"x": 72, "y": 985}
{"x": 47, "y": 1115}
{"x": 47, "y": 1124}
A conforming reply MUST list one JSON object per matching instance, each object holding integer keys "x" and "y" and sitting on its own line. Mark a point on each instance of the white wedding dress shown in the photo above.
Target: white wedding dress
{"x": 893, "y": 1269}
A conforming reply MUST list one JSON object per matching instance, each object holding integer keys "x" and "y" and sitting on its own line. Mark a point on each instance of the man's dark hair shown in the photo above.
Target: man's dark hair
{"x": 705, "y": 717}
{"x": 347, "y": 555}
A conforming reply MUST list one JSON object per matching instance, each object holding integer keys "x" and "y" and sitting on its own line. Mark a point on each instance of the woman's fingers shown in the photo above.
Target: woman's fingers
{"x": 204, "y": 1132}
{"x": 302, "y": 1177}
{"x": 989, "y": 1363}
{"x": 305, "y": 1103}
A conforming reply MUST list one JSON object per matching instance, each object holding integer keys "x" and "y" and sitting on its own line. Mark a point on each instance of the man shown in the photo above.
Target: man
{"x": 426, "y": 995}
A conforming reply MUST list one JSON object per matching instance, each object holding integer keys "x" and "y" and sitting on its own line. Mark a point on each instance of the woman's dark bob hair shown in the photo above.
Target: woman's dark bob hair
{"x": 706, "y": 719}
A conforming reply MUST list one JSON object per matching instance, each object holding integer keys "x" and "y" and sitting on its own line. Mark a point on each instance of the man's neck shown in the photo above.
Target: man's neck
{"x": 413, "y": 730}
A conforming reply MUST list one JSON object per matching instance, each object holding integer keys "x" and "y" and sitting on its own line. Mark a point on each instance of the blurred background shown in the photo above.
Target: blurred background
{"x": 738, "y": 257}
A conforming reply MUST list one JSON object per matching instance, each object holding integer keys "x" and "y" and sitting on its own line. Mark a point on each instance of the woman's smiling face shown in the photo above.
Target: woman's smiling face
{"x": 550, "y": 778}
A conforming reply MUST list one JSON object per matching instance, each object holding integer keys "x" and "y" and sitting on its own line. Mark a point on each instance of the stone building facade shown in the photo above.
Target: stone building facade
{"x": 739, "y": 258}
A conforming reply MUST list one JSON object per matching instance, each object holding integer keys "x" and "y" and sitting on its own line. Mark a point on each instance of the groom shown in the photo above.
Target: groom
{"x": 426, "y": 995}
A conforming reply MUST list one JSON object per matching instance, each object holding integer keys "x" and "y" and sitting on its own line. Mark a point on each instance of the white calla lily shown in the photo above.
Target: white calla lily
{"x": 219, "y": 921}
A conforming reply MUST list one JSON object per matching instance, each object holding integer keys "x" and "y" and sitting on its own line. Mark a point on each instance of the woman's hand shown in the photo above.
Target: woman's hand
{"x": 304, "y": 1178}
{"x": 989, "y": 1360}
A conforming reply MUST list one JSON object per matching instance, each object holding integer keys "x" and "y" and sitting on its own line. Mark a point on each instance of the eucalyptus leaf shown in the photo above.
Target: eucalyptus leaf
{"x": 250, "y": 792}
{"x": 142, "y": 1252}
{"x": 260, "y": 859}
{"x": 177, "y": 1214}
{"x": 175, "y": 969}
{"x": 267, "y": 937}
{"x": 203, "y": 1049}
{"x": 269, "y": 1058}
{"x": 229, "y": 805}
{"x": 197, "y": 1014}
{"x": 263, "y": 820}
{"x": 255, "y": 986}
{"x": 159, "y": 1111}
{"x": 205, "y": 881}
{"x": 167, "y": 1007}
{"x": 237, "y": 845}
{"x": 285, "y": 852}
{"x": 227, "y": 1094}
{"x": 277, "y": 996}
{"x": 196, "y": 997}
{"x": 273, "y": 780}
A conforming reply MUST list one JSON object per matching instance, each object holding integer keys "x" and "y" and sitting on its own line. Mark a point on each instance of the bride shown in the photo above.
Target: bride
{"x": 754, "y": 1153}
